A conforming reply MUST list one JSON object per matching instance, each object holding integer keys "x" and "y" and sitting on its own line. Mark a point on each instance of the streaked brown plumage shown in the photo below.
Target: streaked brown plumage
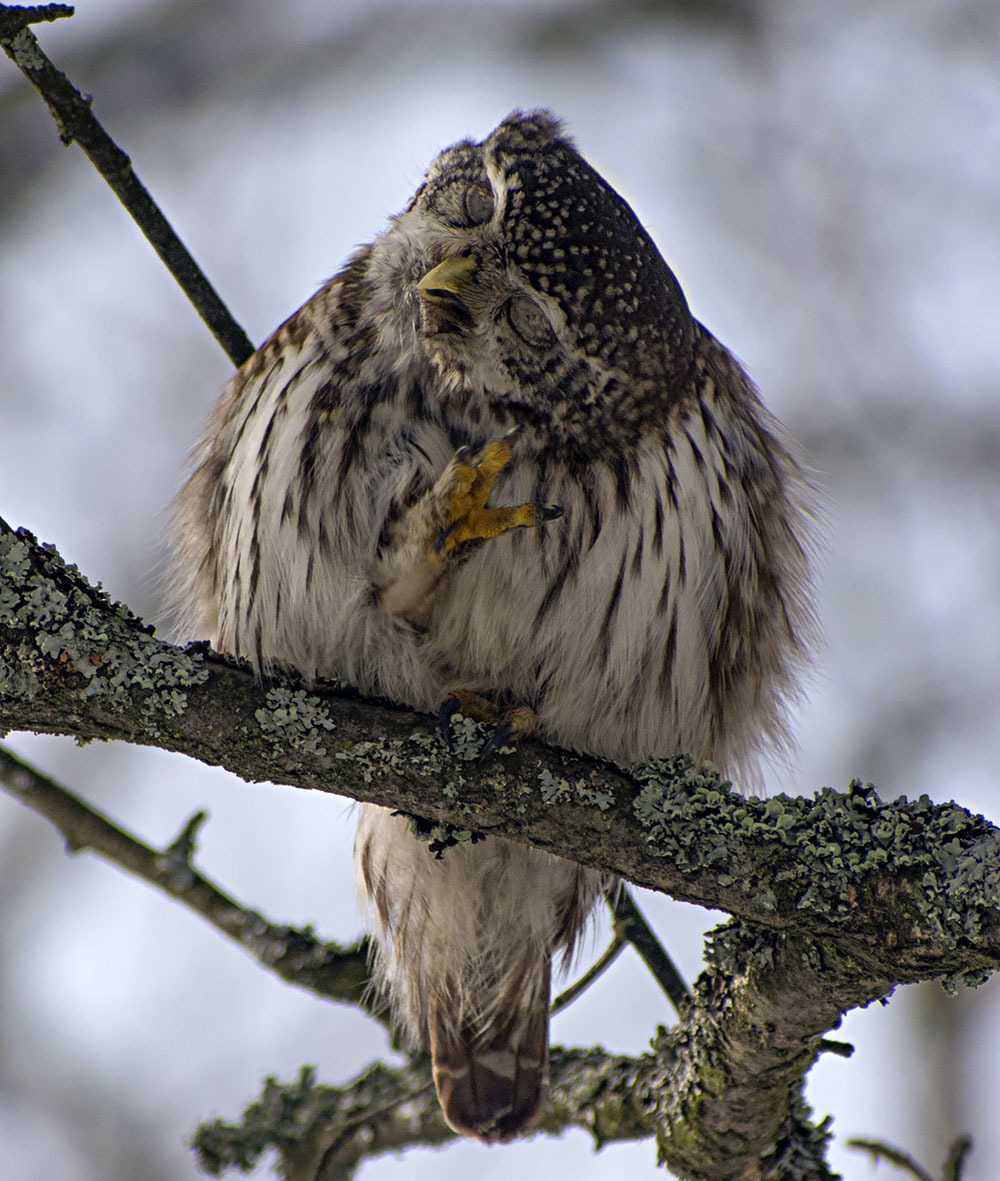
{"x": 666, "y": 609}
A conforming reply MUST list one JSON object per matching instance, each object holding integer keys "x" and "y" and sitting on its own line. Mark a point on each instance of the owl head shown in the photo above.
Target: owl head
{"x": 540, "y": 291}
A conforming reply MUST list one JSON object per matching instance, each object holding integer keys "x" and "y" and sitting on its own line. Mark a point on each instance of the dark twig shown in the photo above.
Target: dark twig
{"x": 596, "y": 969}
{"x": 296, "y": 955}
{"x": 954, "y": 1162}
{"x": 72, "y": 113}
{"x": 631, "y": 925}
{"x": 878, "y": 1151}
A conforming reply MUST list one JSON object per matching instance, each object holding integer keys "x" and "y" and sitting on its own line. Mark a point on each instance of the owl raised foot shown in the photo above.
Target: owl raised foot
{"x": 462, "y": 492}
{"x": 447, "y": 525}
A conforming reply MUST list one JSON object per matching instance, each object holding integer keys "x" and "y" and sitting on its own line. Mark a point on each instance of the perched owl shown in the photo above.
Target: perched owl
{"x": 497, "y": 454}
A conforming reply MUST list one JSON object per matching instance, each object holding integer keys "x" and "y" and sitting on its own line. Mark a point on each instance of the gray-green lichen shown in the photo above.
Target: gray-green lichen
{"x": 57, "y": 618}
{"x": 24, "y": 50}
{"x": 825, "y": 851}
{"x": 294, "y": 719}
{"x": 468, "y": 738}
{"x": 419, "y": 751}
{"x": 558, "y": 790}
{"x": 424, "y": 752}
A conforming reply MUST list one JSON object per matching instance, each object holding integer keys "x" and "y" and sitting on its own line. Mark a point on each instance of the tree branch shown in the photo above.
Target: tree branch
{"x": 594, "y": 972}
{"x": 631, "y": 926}
{"x": 907, "y": 884}
{"x": 15, "y": 17}
{"x": 322, "y": 1132}
{"x": 849, "y": 895}
{"x": 297, "y": 956}
{"x": 75, "y": 120}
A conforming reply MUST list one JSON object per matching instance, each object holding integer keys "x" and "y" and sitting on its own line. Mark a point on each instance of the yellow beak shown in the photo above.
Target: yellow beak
{"x": 446, "y": 282}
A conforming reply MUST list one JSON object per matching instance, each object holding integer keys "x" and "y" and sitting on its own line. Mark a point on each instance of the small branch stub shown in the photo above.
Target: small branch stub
{"x": 15, "y": 17}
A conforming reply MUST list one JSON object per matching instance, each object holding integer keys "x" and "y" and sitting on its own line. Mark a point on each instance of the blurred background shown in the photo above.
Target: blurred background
{"x": 823, "y": 178}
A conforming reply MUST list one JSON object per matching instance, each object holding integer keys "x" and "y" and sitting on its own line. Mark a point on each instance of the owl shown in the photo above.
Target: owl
{"x": 497, "y": 457}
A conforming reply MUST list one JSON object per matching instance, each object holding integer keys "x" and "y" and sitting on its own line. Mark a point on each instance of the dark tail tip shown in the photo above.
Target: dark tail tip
{"x": 489, "y": 1107}
{"x": 493, "y": 1092}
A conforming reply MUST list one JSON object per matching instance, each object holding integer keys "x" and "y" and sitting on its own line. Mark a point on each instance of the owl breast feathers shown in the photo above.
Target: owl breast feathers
{"x": 497, "y": 453}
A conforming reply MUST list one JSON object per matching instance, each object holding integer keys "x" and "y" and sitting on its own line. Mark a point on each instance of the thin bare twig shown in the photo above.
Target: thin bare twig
{"x": 951, "y": 1170}
{"x": 596, "y": 969}
{"x": 632, "y": 926}
{"x": 878, "y": 1151}
{"x": 296, "y": 955}
{"x": 72, "y": 113}
{"x": 954, "y": 1162}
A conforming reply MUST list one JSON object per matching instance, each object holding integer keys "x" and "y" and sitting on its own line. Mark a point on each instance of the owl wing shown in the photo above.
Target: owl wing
{"x": 254, "y": 474}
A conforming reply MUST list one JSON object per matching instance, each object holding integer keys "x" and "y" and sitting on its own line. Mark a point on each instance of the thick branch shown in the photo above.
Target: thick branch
{"x": 850, "y": 895}
{"x": 909, "y": 885}
{"x": 72, "y": 113}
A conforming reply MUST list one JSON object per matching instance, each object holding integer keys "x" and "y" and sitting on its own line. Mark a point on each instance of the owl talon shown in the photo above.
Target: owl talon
{"x": 469, "y": 482}
{"x": 446, "y": 711}
{"x": 511, "y": 724}
{"x": 515, "y": 723}
{"x": 501, "y": 736}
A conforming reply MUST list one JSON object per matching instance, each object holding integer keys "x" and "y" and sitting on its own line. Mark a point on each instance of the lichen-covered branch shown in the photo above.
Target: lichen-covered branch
{"x": 911, "y": 885}
{"x": 296, "y": 955}
{"x": 76, "y": 121}
{"x": 848, "y": 895}
{"x": 716, "y": 1115}
{"x": 321, "y": 1132}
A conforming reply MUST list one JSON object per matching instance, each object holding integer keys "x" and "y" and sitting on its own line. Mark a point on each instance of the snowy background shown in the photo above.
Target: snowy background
{"x": 822, "y": 177}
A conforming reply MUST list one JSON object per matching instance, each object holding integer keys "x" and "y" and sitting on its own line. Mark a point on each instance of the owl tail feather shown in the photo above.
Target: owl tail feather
{"x": 491, "y": 1082}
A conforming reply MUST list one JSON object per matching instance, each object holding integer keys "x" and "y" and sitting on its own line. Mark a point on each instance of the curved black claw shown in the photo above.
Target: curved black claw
{"x": 501, "y": 736}
{"x": 444, "y": 535}
{"x": 446, "y": 711}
